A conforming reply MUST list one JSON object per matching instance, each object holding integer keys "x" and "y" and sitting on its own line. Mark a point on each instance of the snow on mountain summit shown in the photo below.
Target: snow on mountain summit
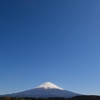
{"x": 49, "y": 85}
{"x": 45, "y": 90}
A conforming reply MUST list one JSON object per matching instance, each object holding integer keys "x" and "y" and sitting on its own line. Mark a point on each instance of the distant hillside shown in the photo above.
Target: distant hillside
{"x": 85, "y": 97}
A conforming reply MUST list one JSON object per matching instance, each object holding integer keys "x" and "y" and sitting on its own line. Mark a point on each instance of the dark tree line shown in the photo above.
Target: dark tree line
{"x": 74, "y": 98}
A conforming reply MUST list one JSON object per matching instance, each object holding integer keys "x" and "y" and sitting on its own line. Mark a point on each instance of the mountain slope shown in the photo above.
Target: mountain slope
{"x": 45, "y": 90}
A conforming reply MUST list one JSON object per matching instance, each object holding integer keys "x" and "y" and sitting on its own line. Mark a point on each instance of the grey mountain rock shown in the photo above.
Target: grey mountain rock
{"x": 45, "y": 90}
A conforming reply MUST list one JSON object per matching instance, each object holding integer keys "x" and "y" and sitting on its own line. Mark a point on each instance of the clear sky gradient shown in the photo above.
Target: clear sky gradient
{"x": 50, "y": 40}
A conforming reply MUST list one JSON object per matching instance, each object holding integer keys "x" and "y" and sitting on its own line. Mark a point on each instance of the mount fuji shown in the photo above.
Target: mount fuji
{"x": 45, "y": 90}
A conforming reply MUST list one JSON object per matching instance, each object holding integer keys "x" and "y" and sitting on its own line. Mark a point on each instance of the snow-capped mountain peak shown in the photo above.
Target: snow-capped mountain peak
{"x": 49, "y": 85}
{"x": 45, "y": 90}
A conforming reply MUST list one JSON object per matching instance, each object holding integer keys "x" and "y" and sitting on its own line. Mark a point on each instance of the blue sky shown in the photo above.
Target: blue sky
{"x": 50, "y": 40}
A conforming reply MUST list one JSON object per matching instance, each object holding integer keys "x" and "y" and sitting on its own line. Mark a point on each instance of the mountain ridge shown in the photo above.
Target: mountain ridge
{"x": 45, "y": 90}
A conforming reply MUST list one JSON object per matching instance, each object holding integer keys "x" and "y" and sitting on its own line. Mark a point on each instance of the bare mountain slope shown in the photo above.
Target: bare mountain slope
{"x": 45, "y": 90}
